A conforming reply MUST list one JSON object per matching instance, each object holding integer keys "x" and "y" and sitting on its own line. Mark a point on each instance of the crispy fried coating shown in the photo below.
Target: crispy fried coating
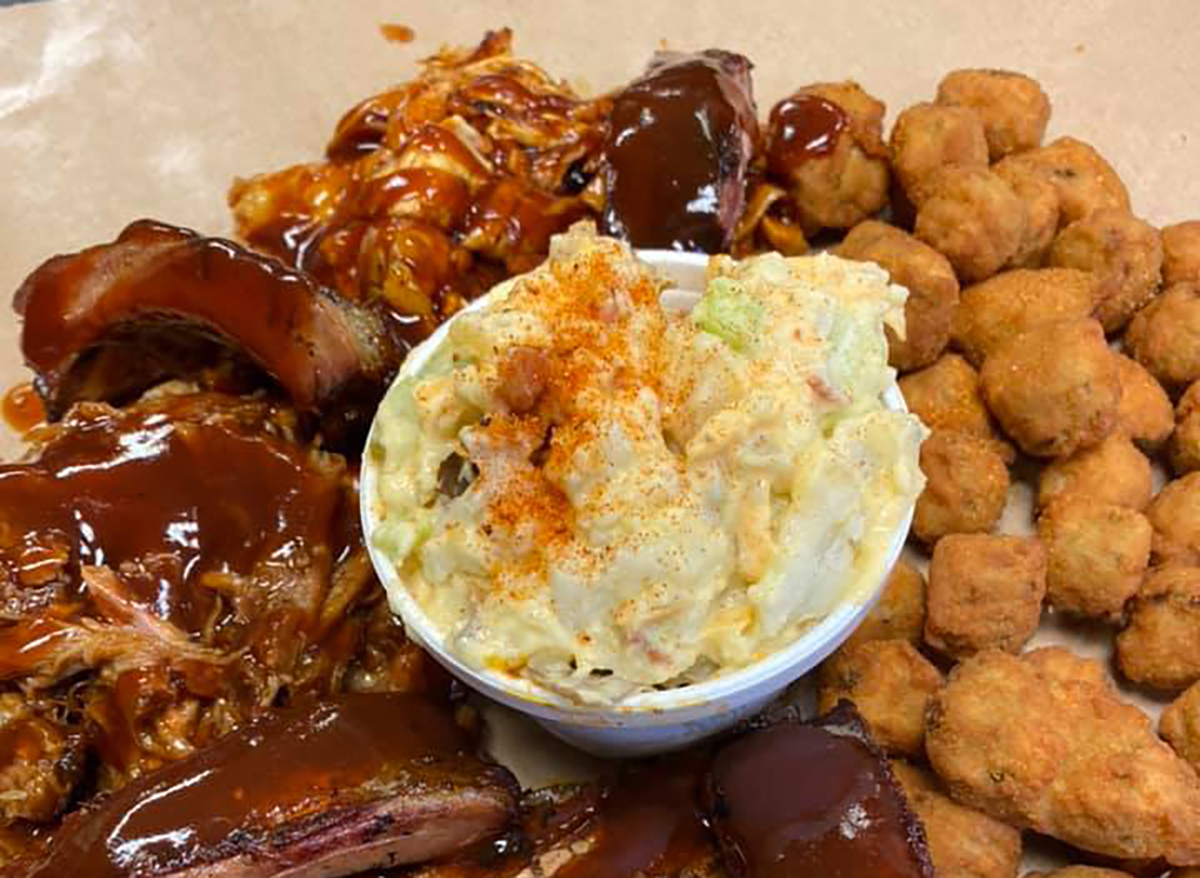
{"x": 890, "y": 684}
{"x": 929, "y": 278}
{"x": 1145, "y": 414}
{"x": 1054, "y": 388}
{"x": 1179, "y": 724}
{"x": 1014, "y": 301}
{"x": 966, "y": 486}
{"x": 1184, "y": 450}
{"x": 985, "y": 592}
{"x": 1084, "y": 180}
{"x": 1042, "y": 741}
{"x": 1013, "y": 107}
{"x": 1175, "y": 516}
{"x": 900, "y": 612}
{"x": 1123, "y": 252}
{"x": 1160, "y": 645}
{"x": 1181, "y": 253}
{"x": 948, "y": 396}
{"x": 1042, "y": 210}
{"x": 963, "y": 842}
{"x": 1096, "y": 555}
{"x": 973, "y": 217}
{"x": 1165, "y": 336}
{"x": 850, "y": 183}
{"x": 1112, "y": 471}
{"x": 929, "y": 136}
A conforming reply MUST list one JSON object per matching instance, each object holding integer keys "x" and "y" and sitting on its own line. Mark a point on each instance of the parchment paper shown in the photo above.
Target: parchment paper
{"x": 128, "y": 108}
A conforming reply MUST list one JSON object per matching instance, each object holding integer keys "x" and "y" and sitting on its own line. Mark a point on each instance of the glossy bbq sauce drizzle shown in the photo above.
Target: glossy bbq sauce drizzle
{"x": 794, "y": 800}
{"x": 649, "y": 822}
{"x": 673, "y": 151}
{"x": 397, "y": 33}
{"x": 23, "y": 409}
{"x": 803, "y": 127}
{"x": 167, "y": 496}
{"x": 273, "y": 771}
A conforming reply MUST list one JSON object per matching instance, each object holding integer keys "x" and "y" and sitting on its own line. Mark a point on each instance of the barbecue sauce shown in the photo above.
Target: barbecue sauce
{"x": 277, "y": 771}
{"x": 803, "y": 127}
{"x": 647, "y": 823}
{"x": 397, "y": 33}
{"x": 677, "y": 145}
{"x": 794, "y": 799}
{"x": 280, "y": 318}
{"x": 166, "y": 494}
{"x": 23, "y": 409}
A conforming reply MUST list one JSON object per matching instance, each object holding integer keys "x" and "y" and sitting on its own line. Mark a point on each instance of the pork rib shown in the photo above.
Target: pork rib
{"x": 340, "y": 787}
{"x": 107, "y": 322}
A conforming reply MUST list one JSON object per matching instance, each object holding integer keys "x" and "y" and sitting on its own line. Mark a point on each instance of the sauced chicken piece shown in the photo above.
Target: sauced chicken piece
{"x": 434, "y": 190}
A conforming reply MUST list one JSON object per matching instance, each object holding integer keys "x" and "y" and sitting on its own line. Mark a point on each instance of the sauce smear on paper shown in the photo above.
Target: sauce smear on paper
{"x": 397, "y": 33}
{"x": 23, "y": 409}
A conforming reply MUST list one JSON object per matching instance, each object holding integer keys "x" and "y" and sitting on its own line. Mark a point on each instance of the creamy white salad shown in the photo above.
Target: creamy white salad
{"x": 607, "y": 497}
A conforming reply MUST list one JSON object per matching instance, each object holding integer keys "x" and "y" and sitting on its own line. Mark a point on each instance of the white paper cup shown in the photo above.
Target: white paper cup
{"x": 652, "y": 722}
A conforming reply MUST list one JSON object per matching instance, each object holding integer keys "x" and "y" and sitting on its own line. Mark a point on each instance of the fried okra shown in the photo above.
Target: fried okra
{"x": 890, "y": 684}
{"x": 1123, "y": 252}
{"x": 966, "y": 486}
{"x": 1096, "y": 556}
{"x": 1014, "y": 301}
{"x": 1013, "y": 107}
{"x": 1160, "y": 646}
{"x": 973, "y": 217}
{"x": 1165, "y": 336}
{"x": 900, "y": 612}
{"x": 1184, "y": 449}
{"x": 1084, "y": 180}
{"x": 1112, "y": 471}
{"x": 1042, "y": 741}
{"x": 930, "y": 281}
{"x": 985, "y": 592}
{"x": 1175, "y": 516}
{"x": 1054, "y": 388}
{"x": 1145, "y": 413}
{"x": 1181, "y": 253}
{"x": 1179, "y": 724}
{"x": 948, "y": 396}
{"x": 963, "y": 842}
{"x": 846, "y": 184}
{"x": 930, "y": 136}
{"x": 1042, "y": 212}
